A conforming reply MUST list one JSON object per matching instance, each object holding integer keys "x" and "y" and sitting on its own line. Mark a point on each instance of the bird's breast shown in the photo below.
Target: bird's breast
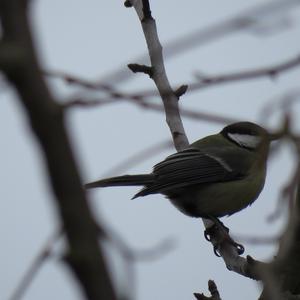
{"x": 218, "y": 199}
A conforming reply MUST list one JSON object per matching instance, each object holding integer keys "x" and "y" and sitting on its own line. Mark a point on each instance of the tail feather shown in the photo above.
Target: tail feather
{"x": 125, "y": 180}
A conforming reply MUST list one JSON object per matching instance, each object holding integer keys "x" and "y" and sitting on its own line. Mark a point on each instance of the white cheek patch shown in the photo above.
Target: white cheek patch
{"x": 245, "y": 140}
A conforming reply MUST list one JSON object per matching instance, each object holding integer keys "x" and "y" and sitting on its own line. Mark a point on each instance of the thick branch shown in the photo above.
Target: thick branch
{"x": 282, "y": 277}
{"x": 247, "y": 267}
{"x": 47, "y": 121}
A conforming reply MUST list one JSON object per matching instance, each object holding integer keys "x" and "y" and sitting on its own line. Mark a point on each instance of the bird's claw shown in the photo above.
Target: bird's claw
{"x": 217, "y": 225}
{"x": 208, "y": 232}
{"x": 240, "y": 248}
{"x": 216, "y": 251}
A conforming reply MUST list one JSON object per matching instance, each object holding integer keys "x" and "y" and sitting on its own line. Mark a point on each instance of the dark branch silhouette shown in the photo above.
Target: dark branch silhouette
{"x": 19, "y": 63}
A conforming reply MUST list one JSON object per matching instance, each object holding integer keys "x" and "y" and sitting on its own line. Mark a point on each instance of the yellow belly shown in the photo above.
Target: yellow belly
{"x": 218, "y": 199}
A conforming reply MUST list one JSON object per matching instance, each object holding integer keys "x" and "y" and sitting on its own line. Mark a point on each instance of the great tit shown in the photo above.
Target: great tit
{"x": 215, "y": 176}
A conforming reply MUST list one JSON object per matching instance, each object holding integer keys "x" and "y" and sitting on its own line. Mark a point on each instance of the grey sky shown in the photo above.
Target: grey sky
{"x": 91, "y": 39}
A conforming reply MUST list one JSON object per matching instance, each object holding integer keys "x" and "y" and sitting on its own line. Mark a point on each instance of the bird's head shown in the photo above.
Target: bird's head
{"x": 247, "y": 135}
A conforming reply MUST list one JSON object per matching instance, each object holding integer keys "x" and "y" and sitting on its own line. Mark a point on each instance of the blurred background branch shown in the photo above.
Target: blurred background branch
{"x": 83, "y": 255}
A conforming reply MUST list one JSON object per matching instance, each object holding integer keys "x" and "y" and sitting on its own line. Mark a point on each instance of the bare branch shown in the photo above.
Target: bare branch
{"x": 132, "y": 256}
{"x": 282, "y": 277}
{"x": 212, "y": 287}
{"x": 270, "y": 71}
{"x": 127, "y": 3}
{"x": 240, "y": 22}
{"x": 137, "y": 68}
{"x": 72, "y": 79}
{"x": 228, "y": 251}
{"x": 181, "y": 90}
{"x": 146, "y": 10}
{"x": 223, "y": 244}
{"x": 136, "y": 158}
{"x": 35, "y": 266}
{"x": 191, "y": 114}
{"x": 204, "y": 81}
{"x": 159, "y": 74}
{"x": 256, "y": 240}
{"x": 47, "y": 120}
{"x": 88, "y": 103}
{"x": 137, "y": 255}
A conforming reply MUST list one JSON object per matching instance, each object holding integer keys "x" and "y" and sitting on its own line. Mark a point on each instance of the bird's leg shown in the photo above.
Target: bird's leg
{"x": 218, "y": 225}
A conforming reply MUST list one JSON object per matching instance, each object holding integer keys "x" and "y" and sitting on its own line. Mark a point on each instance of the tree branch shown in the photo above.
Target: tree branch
{"x": 226, "y": 249}
{"x": 191, "y": 114}
{"x": 270, "y": 71}
{"x": 47, "y": 121}
{"x": 281, "y": 277}
{"x": 34, "y": 267}
{"x": 212, "y": 287}
{"x": 159, "y": 76}
{"x": 137, "y": 68}
{"x": 242, "y": 21}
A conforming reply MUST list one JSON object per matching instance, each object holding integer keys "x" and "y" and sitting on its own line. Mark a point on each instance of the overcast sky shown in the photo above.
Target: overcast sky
{"x": 91, "y": 39}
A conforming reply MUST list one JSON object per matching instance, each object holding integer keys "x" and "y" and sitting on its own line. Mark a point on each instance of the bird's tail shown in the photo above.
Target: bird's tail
{"x": 125, "y": 180}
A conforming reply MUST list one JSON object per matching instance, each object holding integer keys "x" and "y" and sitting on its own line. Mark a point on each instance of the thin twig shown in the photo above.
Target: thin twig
{"x": 44, "y": 253}
{"x": 248, "y": 18}
{"x": 237, "y": 23}
{"x": 133, "y": 256}
{"x": 138, "y": 157}
{"x": 212, "y": 287}
{"x": 72, "y": 79}
{"x": 283, "y": 102}
{"x": 137, "y": 68}
{"x": 269, "y": 71}
{"x": 191, "y": 114}
{"x": 256, "y": 240}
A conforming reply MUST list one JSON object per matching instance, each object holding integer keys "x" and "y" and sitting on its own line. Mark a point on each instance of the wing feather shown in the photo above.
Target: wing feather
{"x": 186, "y": 168}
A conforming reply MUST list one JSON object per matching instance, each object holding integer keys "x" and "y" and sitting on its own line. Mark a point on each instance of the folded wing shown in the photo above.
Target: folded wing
{"x": 189, "y": 167}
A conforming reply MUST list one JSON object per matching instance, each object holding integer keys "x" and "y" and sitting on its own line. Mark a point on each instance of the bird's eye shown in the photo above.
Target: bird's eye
{"x": 245, "y": 140}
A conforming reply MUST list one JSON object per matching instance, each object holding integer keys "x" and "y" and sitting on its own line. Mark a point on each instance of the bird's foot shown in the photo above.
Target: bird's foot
{"x": 218, "y": 225}
{"x": 220, "y": 231}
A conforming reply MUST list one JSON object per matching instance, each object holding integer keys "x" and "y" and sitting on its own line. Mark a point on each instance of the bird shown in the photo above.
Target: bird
{"x": 216, "y": 176}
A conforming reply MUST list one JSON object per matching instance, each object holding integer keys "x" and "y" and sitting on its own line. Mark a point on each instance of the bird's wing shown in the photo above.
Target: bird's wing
{"x": 190, "y": 167}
